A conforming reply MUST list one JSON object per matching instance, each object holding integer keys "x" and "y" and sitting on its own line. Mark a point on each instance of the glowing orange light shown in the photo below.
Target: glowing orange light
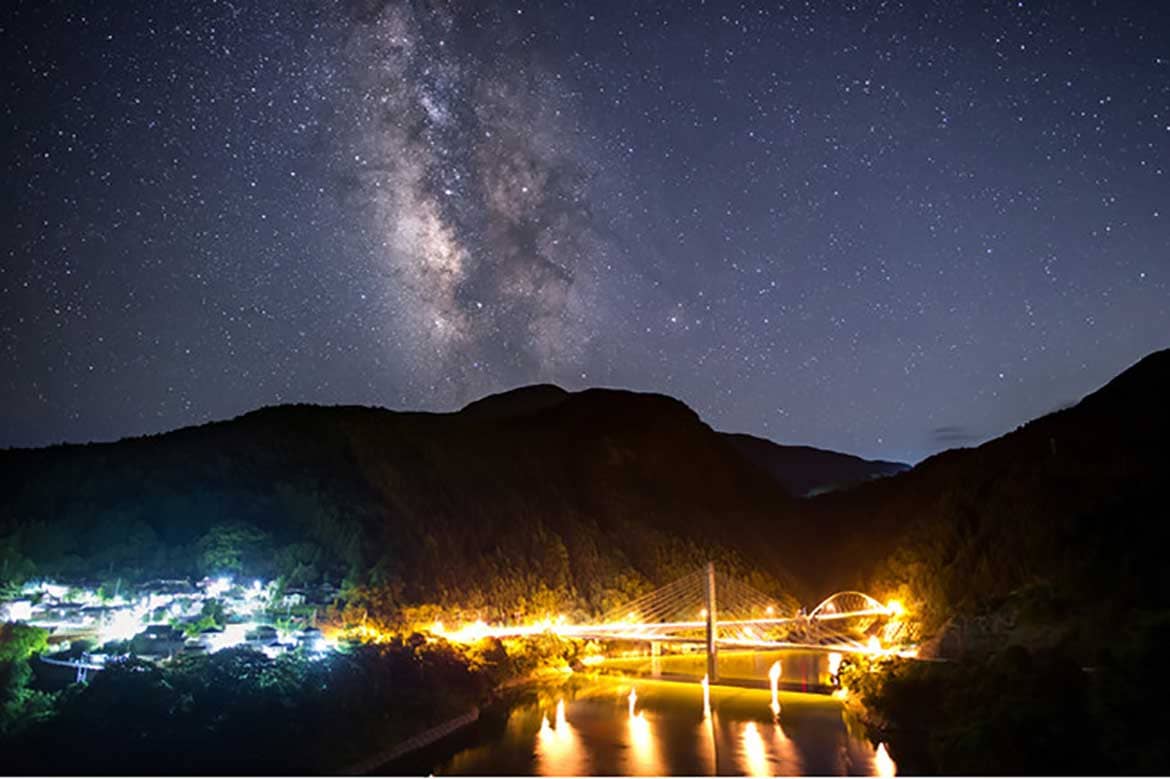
{"x": 754, "y": 751}
{"x": 834, "y": 663}
{"x": 561, "y": 714}
{"x": 883, "y": 764}
{"x": 774, "y": 677}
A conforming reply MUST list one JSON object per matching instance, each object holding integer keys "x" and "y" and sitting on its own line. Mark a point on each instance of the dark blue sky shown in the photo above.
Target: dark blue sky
{"x": 885, "y": 228}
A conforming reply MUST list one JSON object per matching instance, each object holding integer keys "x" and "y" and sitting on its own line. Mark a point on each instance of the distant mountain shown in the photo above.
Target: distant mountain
{"x": 806, "y": 470}
{"x": 517, "y": 402}
{"x": 801, "y": 470}
{"x": 1050, "y": 528}
{"x": 535, "y": 498}
{"x": 524, "y": 501}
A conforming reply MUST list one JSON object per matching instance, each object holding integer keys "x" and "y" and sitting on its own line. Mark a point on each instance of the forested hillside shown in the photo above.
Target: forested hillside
{"x": 808, "y": 471}
{"x": 539, "y": 499}
{"x": 525, "y": 502}
{"x": 1054, "y": 525}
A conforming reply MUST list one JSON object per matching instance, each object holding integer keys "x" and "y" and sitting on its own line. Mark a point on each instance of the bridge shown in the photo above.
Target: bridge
{"x": 83, "y": 665}
{"x": 717, "y": 611}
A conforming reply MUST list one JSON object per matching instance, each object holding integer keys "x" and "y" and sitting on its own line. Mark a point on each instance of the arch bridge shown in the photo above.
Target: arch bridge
{"x": 718, "y": 611}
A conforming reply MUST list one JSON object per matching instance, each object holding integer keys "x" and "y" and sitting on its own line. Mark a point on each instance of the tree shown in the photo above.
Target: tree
{"x": 19, "y": 704}
{"x": 18, "y": 641}
{"x": 227, "y": 548}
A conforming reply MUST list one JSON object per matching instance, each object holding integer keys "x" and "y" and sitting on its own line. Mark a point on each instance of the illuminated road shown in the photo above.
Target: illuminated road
{"x": 847, "y": 622}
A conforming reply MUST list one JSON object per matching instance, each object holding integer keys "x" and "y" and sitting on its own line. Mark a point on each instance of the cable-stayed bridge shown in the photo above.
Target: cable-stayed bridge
{"x": 713, "y": 609}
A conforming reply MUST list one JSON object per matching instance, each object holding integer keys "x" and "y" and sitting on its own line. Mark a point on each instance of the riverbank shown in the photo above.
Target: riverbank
{"x": 1021, "y": 712}
{"x": 380, "y": 761}
{"x": 424, "y": 739}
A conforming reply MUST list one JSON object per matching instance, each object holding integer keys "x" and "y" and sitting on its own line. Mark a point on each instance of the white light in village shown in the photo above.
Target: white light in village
{"x": 121, "y": 625}
{"x": 18, "y": 611}
{"x": 217, "y": 587}
{"x": 232, "y": 635}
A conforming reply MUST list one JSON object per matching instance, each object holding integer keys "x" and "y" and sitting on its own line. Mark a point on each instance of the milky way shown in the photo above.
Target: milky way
{"x": 476, "y": 186}
{"x": 884, "y": 228}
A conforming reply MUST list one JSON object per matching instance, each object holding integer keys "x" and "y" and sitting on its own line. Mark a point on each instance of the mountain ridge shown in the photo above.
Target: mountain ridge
{"x": 589, "y": 497}
{"x": 584, "y": 502}
{"x": 806, "y": 471}
{"x": 1040, "y": 518}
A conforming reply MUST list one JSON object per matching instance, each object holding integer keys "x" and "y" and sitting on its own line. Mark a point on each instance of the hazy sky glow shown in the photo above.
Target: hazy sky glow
{"x": 888, "y": 231}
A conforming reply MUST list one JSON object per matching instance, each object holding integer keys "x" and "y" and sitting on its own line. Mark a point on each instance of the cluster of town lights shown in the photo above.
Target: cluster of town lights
{"x": 157, "y": 612}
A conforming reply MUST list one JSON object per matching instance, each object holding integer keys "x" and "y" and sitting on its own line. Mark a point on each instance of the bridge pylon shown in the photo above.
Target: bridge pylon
{"x": 712, "y": 626}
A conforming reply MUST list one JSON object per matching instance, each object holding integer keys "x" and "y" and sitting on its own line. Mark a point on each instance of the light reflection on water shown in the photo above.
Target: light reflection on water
{"x": 883, "y": 764}
{"x": 788, "y": 758}
{"x": 558, "y": 750}
{"x": 598, "y": 729}
{"x": 755, "y": 754}
{"x": 643, "y": 754}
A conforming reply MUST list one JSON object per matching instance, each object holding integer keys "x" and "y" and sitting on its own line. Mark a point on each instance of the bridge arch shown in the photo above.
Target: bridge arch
{"x": 847, "y": 602}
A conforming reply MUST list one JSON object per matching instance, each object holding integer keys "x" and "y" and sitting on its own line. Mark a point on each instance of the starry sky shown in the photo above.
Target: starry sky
{"x": 887, "y": 228}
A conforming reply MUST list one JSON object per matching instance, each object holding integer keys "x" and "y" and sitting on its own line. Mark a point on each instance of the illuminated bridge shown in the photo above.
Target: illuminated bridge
{"x": 718, "y": 611}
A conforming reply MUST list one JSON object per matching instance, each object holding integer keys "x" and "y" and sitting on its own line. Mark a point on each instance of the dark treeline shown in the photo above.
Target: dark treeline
{"x": 1046, "y": 533}
{"x": 1027, "y": 712}
{"x": 533, "y": 501}
{"x": 1034, "y": 563}
{"x": 240, "y": 712}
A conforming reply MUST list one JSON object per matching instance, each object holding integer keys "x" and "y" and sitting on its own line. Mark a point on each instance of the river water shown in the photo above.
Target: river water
{"x": 668, "y": 733}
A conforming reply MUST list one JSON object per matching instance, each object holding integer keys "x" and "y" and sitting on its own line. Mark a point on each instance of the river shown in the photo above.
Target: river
{"x": 593, "y": 733}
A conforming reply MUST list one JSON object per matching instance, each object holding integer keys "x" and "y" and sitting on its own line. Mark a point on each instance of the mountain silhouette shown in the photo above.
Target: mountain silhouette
{"x": 532, "y": 499}
{"x": 1051, "y": 524}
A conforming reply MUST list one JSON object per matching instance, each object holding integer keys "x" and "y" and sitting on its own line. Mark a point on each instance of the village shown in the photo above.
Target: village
{"x": 90, "y": 625}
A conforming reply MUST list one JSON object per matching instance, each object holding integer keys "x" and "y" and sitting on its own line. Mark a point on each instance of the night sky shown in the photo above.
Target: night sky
{"x": 886, "y": 228}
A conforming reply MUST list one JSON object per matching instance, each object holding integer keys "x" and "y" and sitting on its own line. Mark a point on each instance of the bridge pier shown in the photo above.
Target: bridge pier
{"x": 712, "y": 627}
{"x": 656, "y": 658}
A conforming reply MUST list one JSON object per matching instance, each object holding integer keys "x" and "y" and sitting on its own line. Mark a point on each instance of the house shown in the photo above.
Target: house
{"x": 262, "y": 636}
{"x": 157, "y": 641}
{"x": 311, "y": 640}
{"x": 170, "y": 587}
{"x": 16, "y": 611}
{"x": 210, "y": 638}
